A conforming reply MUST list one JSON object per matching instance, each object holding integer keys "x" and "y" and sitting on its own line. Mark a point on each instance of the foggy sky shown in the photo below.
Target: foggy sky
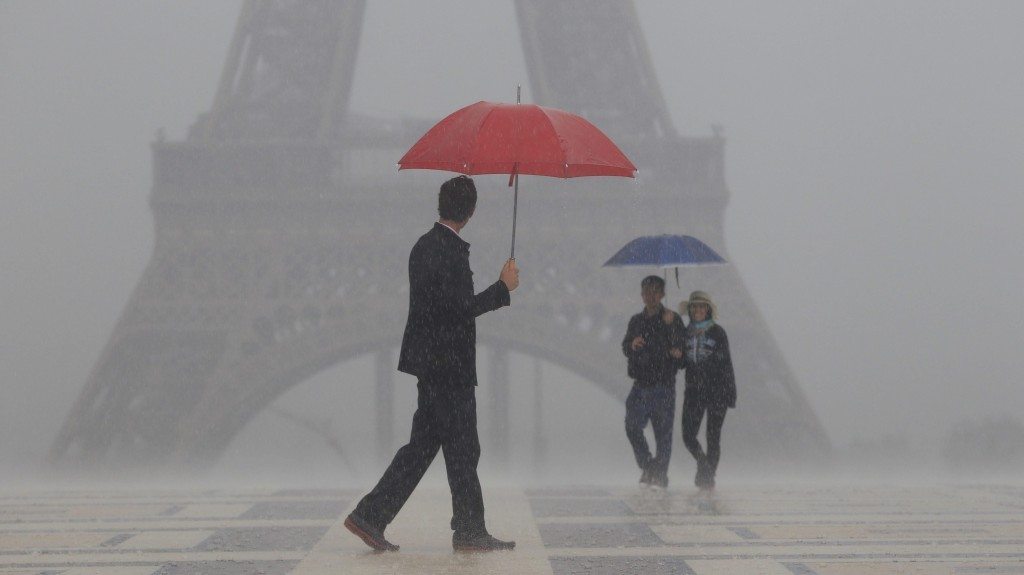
{"x": 875, "y": 155}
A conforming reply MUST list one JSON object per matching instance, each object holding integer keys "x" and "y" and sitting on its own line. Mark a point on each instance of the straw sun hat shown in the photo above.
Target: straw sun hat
{"x": 698, "y": 297}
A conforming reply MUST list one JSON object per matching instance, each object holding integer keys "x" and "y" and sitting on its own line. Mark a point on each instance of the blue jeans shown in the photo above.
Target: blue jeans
{"x": 656, "y": 404}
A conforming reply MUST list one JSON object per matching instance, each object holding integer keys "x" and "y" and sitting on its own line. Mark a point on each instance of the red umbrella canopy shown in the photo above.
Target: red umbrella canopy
{"x": 493, "y": 138}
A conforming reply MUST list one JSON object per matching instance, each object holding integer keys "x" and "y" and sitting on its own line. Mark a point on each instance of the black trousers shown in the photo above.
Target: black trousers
{"x": 445, "y": 419}
{"x": 693, "y": 413}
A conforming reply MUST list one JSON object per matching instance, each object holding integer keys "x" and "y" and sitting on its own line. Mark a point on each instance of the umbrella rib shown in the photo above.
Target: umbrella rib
{"x": 562, "y": 143}
{"x": 469, "y": 160}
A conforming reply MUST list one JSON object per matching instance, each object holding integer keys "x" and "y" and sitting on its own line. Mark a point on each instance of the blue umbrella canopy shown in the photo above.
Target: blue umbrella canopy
{"x": 664, "y": 251}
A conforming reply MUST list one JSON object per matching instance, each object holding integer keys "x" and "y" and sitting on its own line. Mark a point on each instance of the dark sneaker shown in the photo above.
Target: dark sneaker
{"x": 701, "y": 479}
{"x": 368, "y": 533}
{"x": 645, "y": 477}
{"x": 480, "y": 542}
{"x": 659, "y": 480}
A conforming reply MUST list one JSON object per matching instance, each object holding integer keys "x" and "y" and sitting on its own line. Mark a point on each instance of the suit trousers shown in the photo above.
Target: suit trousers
{"x": 445, "y": 419}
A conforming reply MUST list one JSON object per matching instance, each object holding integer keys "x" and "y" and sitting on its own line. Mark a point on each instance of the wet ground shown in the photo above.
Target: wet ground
{"x": 595, "y": 530}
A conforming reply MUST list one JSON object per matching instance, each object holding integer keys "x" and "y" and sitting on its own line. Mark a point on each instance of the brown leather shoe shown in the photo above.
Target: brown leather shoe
{"x": 480, "y": 542}
{"x": 368, "y": 533}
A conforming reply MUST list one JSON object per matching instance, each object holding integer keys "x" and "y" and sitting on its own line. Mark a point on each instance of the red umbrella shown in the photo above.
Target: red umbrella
{"x": 493, "y": 138}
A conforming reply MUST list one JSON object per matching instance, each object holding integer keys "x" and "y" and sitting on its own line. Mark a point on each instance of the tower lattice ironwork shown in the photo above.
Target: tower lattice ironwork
{"x": 280, "y": 250}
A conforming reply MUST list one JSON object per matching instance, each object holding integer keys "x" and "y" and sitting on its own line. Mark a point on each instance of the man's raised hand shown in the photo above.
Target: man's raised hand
{"x": 510, "y": 274}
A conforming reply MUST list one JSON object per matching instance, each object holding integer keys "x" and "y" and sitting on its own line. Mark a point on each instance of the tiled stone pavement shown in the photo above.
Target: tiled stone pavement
{"x": 965, "y": 530}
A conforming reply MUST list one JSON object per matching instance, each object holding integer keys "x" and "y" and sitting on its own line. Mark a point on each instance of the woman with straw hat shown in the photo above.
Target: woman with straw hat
{"x": 710, "y": 383}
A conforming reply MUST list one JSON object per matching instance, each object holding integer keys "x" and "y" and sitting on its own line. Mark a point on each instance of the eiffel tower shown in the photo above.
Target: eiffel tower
{"x": 280, "y": 249}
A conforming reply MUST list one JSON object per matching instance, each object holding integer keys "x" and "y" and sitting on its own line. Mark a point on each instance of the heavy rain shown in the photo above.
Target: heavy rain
{"x": 206, "y": 251}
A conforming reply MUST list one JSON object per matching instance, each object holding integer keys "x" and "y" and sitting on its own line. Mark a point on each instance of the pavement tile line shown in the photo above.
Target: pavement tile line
{"x": 846, "y": 530}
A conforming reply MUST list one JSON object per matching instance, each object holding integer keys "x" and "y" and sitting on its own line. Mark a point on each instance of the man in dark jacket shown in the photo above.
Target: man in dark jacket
{"x": 710, "y": 384}
{"x": 653, "y": 351}
{"x": 439, "y": 348}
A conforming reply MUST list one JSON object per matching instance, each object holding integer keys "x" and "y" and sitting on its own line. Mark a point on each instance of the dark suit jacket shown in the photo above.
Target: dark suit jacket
{"x": 439, "y": 344}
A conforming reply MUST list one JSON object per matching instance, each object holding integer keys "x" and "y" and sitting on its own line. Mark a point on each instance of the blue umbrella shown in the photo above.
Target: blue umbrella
{"x": 665, "y": 251}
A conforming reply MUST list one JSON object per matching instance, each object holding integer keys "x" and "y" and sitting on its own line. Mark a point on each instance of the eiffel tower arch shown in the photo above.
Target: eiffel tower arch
{"x": 280, "y": 249}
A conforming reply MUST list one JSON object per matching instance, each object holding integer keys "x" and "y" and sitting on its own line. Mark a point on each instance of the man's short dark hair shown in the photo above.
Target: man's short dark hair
{"x": 457, "y": 199}
{"x": 653, "y": 281}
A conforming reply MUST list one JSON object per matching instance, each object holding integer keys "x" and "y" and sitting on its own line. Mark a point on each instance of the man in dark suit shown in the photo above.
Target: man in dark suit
{"x": 439, "y": 348}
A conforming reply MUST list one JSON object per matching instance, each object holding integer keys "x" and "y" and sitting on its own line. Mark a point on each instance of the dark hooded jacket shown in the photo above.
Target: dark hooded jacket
{"x": 652, "y": 364}
{"x": 710, "y": 380}
{"x": 439, "y": 343}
